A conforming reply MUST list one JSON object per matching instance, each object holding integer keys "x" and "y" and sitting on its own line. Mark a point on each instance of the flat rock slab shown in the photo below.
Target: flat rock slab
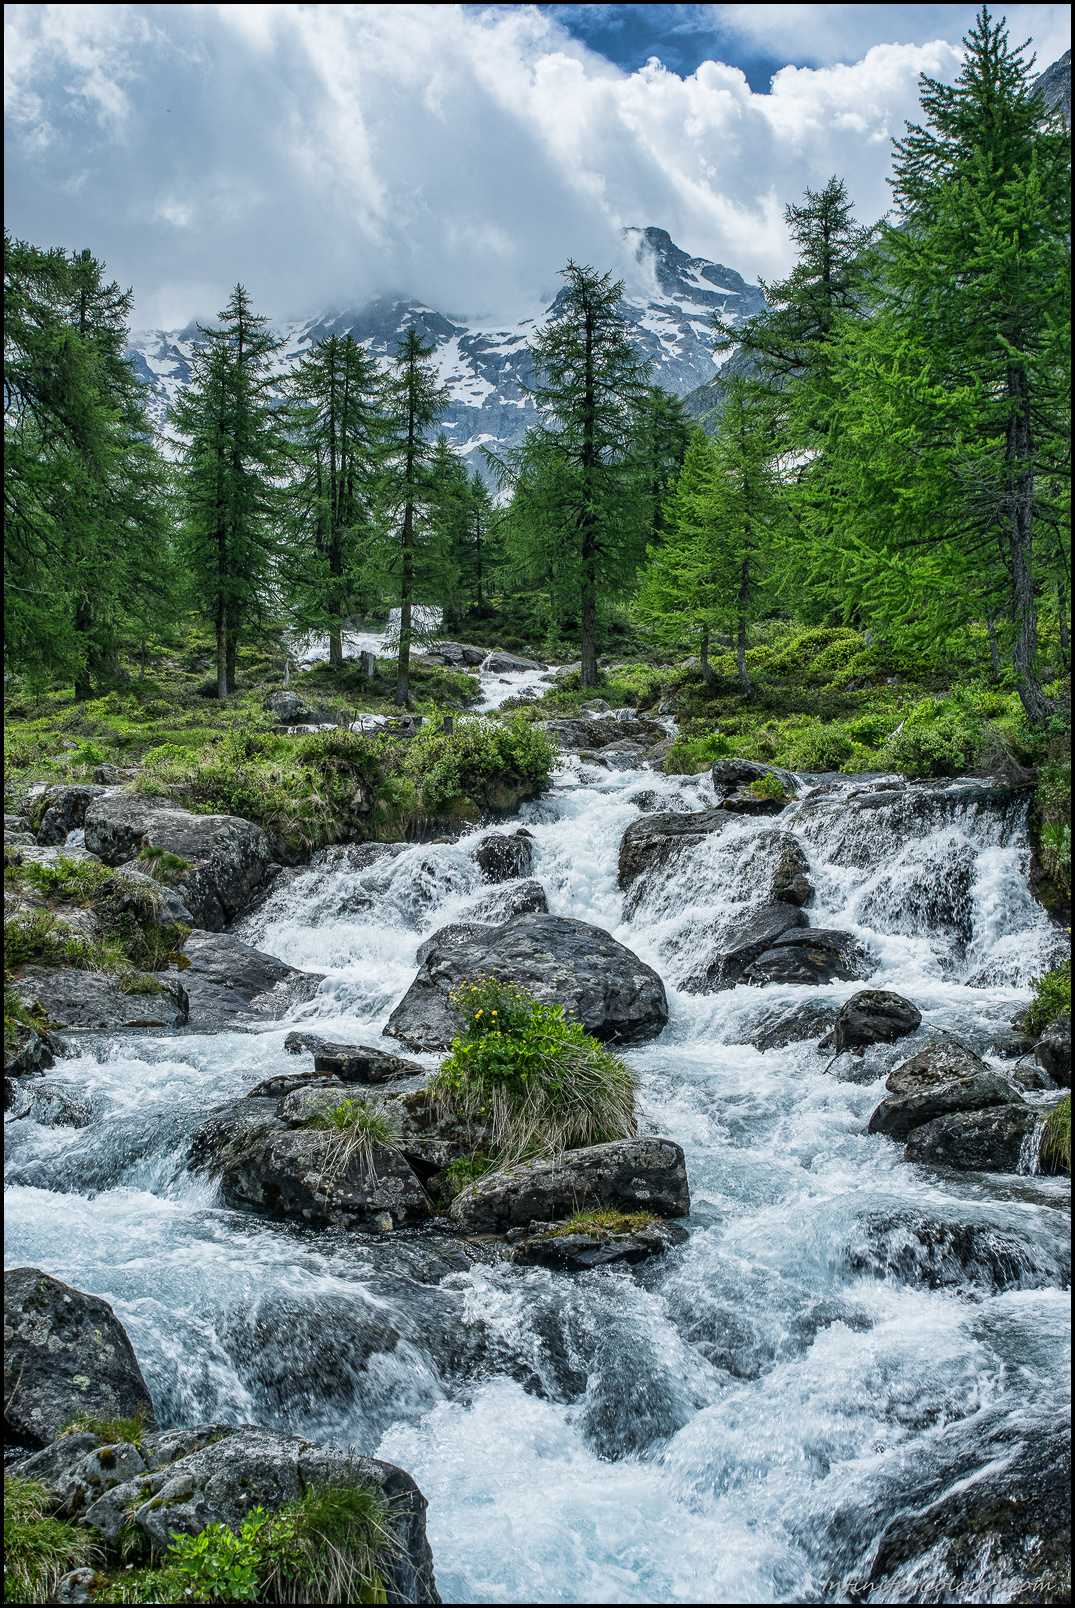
{"x": 75, "y": 1000}
{"x": 65, "y": 1352}
{"x": 229, "y": 983}
{"x": 899, "y": 1115}
{"x": 561, "y": 961}
{"x": 579, "y": 1253}
{"x": 628, "y": 1174}
{"x": 974, "y": 1141}
{"x": 809, "y": 957}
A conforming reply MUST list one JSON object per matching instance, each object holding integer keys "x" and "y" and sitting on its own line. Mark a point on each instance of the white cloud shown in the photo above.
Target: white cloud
{"x": 326, "y": 153}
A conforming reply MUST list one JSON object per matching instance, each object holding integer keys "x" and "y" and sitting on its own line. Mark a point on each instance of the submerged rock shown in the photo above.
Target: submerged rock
{"x": 811, "y": 957}
{"x": 874, "y": 1016}
{"x": 501, "y": 663}
{"x": 974, "y": 1141}
{"x": 579, "y": 1253}
{"x": 807, "y": 1021}
{"x": 65, "y": 1352}
{"x": 921, "y": 1249}
{"x": 74, "y": 999}
{"x": 503, "y": 858}
{"x": 628, "y": 1174}
{"x": 613, "y": 993}
{"x": 52, "y": 1104}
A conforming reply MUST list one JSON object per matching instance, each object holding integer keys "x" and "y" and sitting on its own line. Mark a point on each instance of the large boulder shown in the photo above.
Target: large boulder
{"x": 814, "y": 956}
{"x": 1053, "y": 1051}
{"x": 182, "y": 1480}
{"x": 743, "y": 945}
{"x": 461, "y": 653}
{"x": 655, "y": 841}
{"x": 628, "y": 1174}
{"x": 579, "y": 734}
{"x": 500, "y": 663}
{"x": 732, "y": 775}
{"x": 74, "y": 999}
{"x": 227, "y": 856}
{"x": 229, "y": 983}
{"x": 66, "y": 812}
{"x": 940, "y": 1080}
{"x": 874, "y": 1016}
{"x": 974, "y": 1141}
{"x": 289, "y": 708}
{"x": 65, "y": 1353}
{"x": 503, "y": 858}
{"x": 560, "y": 960}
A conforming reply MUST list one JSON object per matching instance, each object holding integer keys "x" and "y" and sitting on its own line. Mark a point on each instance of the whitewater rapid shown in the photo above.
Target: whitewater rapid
{"x": 732, "y": 1422}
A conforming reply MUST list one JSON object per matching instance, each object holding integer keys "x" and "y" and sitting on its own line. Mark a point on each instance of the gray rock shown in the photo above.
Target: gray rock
{"x": 78, "y": 1585}
{"x": 229, "y": 983}
{"x": 107, "y": 775}
{"x": 874, "y": 1016}
{"x": 899, "y": 1114}
{"x": 576, "y": 735}
{"x": 791, "y": 882}
{"x": 744, "y": 802}
{"x": 811, "y": 957}
{"x": 808, "y": 1021}
{"x": 290, "y": 709}
{"x": 247, "y": 1467}
{"x": 301, "y": 1173}
{"x": 742, "y": 947}
{"x": 64, "y": 1353}
{"x": 629, "y": 1174}
{"x": 656, "y": 841}
{"x": 455, "y": 936}
{"x": 500, "y": 663}
{"x": 975, "y": 1141}
{"x": 228, "y": 857}
{"x": 66, "y": 812}
{"x": 922, "y": 1248}
{"x": 19, "y": 840}
{"x": 358, "y": 1063}
{"x": 17, "y": 823}
{"x": 612, "y": 992}
{"x": 936, "y": 1064}
{"x": 1053, "y": 1051}
{"x": 503, "y": 858}
{"x": 31, "y": 1053}
{"x": 511, "y": 899}
{"x": 459, "y": 652}
{"x": 79, "y": 999}
{"x": 732, "y": 774}
{"x": 578, "y": 1253}
{"x": 168, "y": 907}
{"x": 53, "y": 1105}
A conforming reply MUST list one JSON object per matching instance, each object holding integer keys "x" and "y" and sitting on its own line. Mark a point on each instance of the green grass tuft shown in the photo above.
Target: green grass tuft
{"x": 1056, "y": 1140}
{"x": 1052, "y": 997}
{"x": 39, "y": 1550}
{"x": 109, "y": 1430}
{"x": 602, "y": 1221}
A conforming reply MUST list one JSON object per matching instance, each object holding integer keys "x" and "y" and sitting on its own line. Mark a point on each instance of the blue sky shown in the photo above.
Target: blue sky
{"x": 324, "y": 154}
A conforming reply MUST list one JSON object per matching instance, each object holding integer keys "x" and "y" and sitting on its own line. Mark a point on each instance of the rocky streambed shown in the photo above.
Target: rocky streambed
{"x": 849, "y": 1310}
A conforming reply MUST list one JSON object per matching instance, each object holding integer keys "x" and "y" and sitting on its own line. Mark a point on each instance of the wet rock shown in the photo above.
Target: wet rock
{"x": 312, "y": 1176}
{"x": 578, "y": 1253}
{"x": 31, "y": 1052}
{"x": 744, "y": 802}
{"x": 1053, "y": 1051}
{"x": 229, "y": 983}
{"x": 941, "y": 1080}
{"x": 65, "y": 1352}
{"x": 923, "y": 1250}
{"x": 974, "y": 1141}
{"x": 808, "y": 1021}
{"x": 53, "y": 1105}
{"x": 77, "y": 999}
{"x": 227, "y": 857}
{"x": 500, "y": 663}
{"x": 131, "y": 881}
{"x": 578, "y": 735}
{"x": 80, "y": 1585}
{"x": 247, "y": 1467}
{"x": 791, "y": 882}
{"x": 359, "y": 1063}
{"x": 628, "y": 1174}
{"x": 812, "y": 957}
{"x": 874, "y": 1016}
{"x": 744, "y": 945}
{"x": 503, "y": 858}
{"x": 657, "y": 840}
{"x": 454, "y": 936}
{"x": 513, "y": 899}
{"x": 459, "y": 652}
{"x": 1000, "y": 1533}
{"x": 66, "y": 812}
{"x": 730, "y": 775}
{"x": 613, "y": 993}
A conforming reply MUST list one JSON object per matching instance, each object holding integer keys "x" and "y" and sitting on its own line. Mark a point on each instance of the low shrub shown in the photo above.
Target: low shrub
{"x": 937, "y": 738}
{"x": 768, "y": 787}
{"x": 1052, "y": 997}
{"x": 1056, "y": 1139}
{"x": 38, "y": 1549}
{"x": 541, "y": 1082}
{"x": 460, "y": 1173}
{"x": 35, "y": 938}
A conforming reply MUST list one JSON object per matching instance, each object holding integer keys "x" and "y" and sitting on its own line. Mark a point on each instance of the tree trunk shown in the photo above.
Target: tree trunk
{"x": 1021, "y": 547}
{"x": 222, "y": 648}
{"x": 703, "y": 659}
{"x": 83, "y": 686}
{"x": 403, "y": 667}
{"x": 588, "y": 674}
{"x": 229, "y": 658}
{"x": 994, "y": 651}
{"x": 741, "y": 627}
{"x": 142, "y": 662}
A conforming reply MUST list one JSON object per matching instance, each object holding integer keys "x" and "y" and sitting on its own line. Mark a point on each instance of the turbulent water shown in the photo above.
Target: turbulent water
{"x": 732, "y": 1422}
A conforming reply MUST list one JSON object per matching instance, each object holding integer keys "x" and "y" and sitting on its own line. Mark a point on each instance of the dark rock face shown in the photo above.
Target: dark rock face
{"x": 358, "y": 1063}
{"x": 579, "y": 734}
{"x": 791, "y": 873}
{"x": 808, "y": 1021}
{"x": 303, "y": 1173}
{"x": 499, "y": 662}
{"x": 66, "y": 813}
{"x": 1002, "y": 1536}
{"x": 731, "y": 774}
{"x": 511, "y": 899}
{"x": 289, "y": 708}
{"x": 230, "y": 1469}
{"x": 131, "y": 881}
{"x": 64, "y": 1353}
{"x": 577, "y": 1253}
{"x": 459, "y": 652}
{"x": 78, "y": 999}
{"x": 454, "y": 937}
{"x": 817, "y": 955}
{"x": 899, "y": 1115}
{"x": 629, "y": 1174}
{"x": 974, "y": 1141}
{"x": 935, "y": 1064}
{"x": 1053, "y": 1051}
{"x": 31, "y": 1054}
{"x": 758, "y": 933}
{"x": 874, "y": 1016}
{"x": 228, "y": 857}
{"x": 655, "y": 841}
{"x": 744, "y": 802}
{"x": 503, "y": 858}
{"x": 920, "y": 1249}
{"x": 229, "y": 982}
{"x": 560, "y": 960}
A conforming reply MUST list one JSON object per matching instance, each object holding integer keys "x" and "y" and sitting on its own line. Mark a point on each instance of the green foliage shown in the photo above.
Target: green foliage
{"x": 936, "y": 739}
{"x": 217, "y": 1565}
{"x": 1052, "y": 997}
{"x": 603, "y": 1221}
{"x": 162, "y": 866}
{"x": 1052, "y": 800}
{"x": 1056, "y": 1140}
{"x": 79, "y": 880}
{"x": 357, "y": 1125}
{"x": 36, "y": 938}
{"x": 328, "y": 1546}
{"x": 109, "y": 1430}
{"x": 768, "y": 787}
{"x": 538, "y": 1081}
{"x": 465, "y": 1170}
{"x": 38, "y": 1549}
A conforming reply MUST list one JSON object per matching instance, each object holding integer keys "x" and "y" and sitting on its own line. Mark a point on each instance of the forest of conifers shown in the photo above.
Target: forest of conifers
{"x": 890, "y": 451}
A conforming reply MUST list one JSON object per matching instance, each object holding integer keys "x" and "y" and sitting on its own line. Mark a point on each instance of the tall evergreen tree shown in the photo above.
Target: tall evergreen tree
{"x": 233, "y": 458}
{"x": 579, "y": 516}
{"x": 663, "y": 434}
{"x": 415, "y": 403}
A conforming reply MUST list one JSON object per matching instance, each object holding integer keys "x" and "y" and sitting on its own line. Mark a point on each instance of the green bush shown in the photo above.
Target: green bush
{"x": 540, "y": 1082}
{"x": 39, "y": 1550}
{"x": 816, "y": 747}
{"x": 937, "y": 738}
{"x": 768, "y": 787}
{"x": 217, "y": 1565}
{"x": 1056, "y": 1140}
{"x": 1052, "y": 997}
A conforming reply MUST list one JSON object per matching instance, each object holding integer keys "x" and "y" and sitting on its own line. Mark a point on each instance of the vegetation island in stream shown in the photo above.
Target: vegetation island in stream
{"x": 487, "y": 916}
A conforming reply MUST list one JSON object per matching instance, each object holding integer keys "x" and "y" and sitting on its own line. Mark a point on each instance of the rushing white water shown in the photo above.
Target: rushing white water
{"x": 733, "y": 1422}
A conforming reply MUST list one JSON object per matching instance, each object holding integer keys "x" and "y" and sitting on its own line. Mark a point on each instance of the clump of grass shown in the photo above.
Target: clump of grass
{"x": 602, "y": 1221}
{"x": 460, "y": 1173}
{"x": 358, "y": 1125}
{"x": 1056, "y": 1139}
{"x": 108, "y": 1430}
{"x": 78, "y": 880}
{"x": 1052, "y": 997}
{"x": 540, "y": 1082}
{"x": 162, "y": 866}
{"x": 327, "y": 1546}
{"x": 39, "y": 1550}
{"x": 35, "y": 937}
{"x": 768, "y": 787}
